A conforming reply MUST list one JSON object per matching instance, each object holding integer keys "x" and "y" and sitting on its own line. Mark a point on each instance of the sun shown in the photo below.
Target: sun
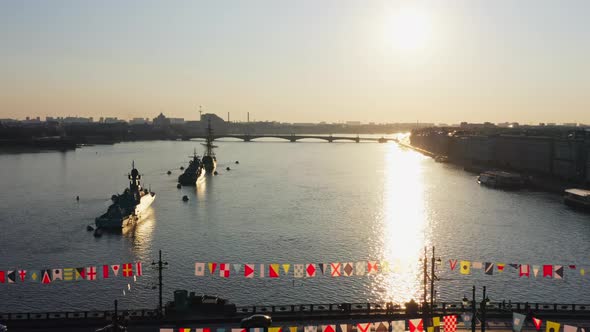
{"x": 410, "y": 29}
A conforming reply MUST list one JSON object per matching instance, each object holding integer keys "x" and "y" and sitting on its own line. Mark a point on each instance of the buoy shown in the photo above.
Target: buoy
{"x": 181, "y": 168}
{"x": 89, "y": 228}
{"x": 185, "y": 198}
{"x": 168, "y": 172}
{"x": 227, "y": 168}
{"x": 215, "y": 173}
{"x": 237, "y": 162}
{"x": 77, "y": 198}
{"x": 178, "y": 186}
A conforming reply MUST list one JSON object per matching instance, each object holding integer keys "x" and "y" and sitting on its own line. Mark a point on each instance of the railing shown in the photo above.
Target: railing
{"x": 81, "y": 315}
{"x": 310, "y": 310}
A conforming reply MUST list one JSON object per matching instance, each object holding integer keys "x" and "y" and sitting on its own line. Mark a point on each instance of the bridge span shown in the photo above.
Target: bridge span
{"x": 293, "y": 138}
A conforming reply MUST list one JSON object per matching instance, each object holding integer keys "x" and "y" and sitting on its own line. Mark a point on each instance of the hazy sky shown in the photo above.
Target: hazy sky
{"x": 299, "y": 60}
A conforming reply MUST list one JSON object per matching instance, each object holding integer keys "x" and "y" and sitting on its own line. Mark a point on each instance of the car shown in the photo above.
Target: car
{"x": 3, "y": 328}
{"x": 256, "y": 321}
{"x": 111, "y": 327}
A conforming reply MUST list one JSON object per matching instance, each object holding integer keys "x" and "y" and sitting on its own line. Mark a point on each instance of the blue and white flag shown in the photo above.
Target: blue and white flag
{"x": 517, "y": 321}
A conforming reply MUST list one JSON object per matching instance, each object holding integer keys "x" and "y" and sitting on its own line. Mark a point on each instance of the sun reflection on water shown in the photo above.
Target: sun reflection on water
{"x": 201, "y": 187}
{"x": 404, "y": 223}
{"x": 141, "y": 234}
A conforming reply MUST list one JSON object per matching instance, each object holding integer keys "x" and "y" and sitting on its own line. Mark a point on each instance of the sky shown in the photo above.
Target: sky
{"x": 298, "y": 61}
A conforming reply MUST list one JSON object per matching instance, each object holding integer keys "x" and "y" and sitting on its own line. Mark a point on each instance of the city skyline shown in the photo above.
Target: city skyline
{"x": 180, "y": 120}
{"x": 375, "y": 61}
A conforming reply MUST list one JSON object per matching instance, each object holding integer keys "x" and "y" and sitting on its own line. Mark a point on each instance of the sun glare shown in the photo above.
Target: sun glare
{"x": 411, "y": 29}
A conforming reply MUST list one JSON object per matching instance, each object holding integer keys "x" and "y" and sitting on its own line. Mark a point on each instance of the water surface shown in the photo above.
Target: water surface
{"x": 305, "y": 202}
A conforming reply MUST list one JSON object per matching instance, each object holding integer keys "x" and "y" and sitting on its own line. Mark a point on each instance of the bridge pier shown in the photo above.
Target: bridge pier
{"x": 292, "y": 140}
{"x": 357, "y": 139}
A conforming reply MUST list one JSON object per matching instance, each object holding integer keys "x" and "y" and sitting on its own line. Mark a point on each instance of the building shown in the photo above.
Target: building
{"x": 113, "y": 120}
{"x": 139, "y": 121}
{"x": 29, "y": 120}
{"x": 176, "y": 121}
{"x": 161, "y": 121}
{"x": 466, "y": 125}
{"x": 216, "y": 122}
{"x": 72, "y": 119}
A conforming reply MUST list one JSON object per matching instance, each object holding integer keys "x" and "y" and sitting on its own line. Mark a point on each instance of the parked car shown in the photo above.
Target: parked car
{"x": 256, "y": 321}
{"x": 111, "y": 328}
{"x": 3, "y": 328}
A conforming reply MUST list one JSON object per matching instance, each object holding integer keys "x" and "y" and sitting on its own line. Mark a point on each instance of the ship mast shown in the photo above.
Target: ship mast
{"x": 209, "y": 140}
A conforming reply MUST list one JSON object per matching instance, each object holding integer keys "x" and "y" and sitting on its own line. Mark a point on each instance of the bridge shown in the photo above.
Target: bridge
{"x": 293, "y": 138}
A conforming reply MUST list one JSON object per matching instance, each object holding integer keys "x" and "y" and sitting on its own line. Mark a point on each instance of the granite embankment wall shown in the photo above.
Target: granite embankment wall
{"x": 550, "y": 158}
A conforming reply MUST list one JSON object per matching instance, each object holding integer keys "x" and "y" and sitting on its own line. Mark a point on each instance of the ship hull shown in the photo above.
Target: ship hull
{"x": 577, "y": 203}
{"x": 191, "y": 180}
{"x": 129, "y": 220}
{"x": 500, "y": 180}
{"x": 210, "y": 164}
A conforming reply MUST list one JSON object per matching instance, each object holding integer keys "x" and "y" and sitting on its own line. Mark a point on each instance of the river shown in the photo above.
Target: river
{"x": 304, "y": 202}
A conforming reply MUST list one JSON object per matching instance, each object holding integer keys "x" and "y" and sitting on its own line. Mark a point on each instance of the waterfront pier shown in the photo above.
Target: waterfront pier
{"x": 498, "y": 314}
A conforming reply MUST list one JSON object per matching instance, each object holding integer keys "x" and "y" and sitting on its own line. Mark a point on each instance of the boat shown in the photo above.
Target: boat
{"x": 500, "y": 179}
{"x": 577, "y": 198}
{"x": 193, "y": 173}
{"x": 127, "y": 207}
{"x": 209, "y": 160}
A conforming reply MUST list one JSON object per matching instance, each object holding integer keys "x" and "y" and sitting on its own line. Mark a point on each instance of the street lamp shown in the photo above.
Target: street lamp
{"x": 435, "y": 262}
{"x": 485, "y": 302}
{"x": 160, "y": 265}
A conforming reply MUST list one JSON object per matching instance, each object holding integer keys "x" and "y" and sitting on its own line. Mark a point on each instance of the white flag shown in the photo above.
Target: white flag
{"x": 199, "y": 269}
{"x": 359, "y": 268}
{"x": 261, "y": 270}
{"x": 298, "y": 270}
{"x": 398, "y": 326}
